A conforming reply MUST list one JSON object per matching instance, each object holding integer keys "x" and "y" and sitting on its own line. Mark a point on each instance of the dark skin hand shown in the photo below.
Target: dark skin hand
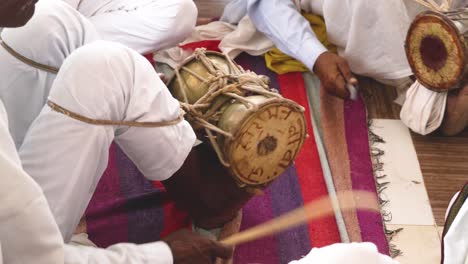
{"x": 16, "y": 13}
{"x": 206, "y": 190}
{"x": 190, "y": 248}
{"x": 334, "y": 73}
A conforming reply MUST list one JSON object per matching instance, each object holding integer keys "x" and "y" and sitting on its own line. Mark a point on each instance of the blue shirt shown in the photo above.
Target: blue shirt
{"x": 280, "y": 21}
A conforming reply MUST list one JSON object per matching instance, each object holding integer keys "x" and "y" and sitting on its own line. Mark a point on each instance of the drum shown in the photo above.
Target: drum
{"x": 255, "y": 132}
{"x": 436, "y": 49}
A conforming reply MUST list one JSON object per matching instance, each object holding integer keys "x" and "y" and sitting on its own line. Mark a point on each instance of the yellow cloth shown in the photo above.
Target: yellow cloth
{"x": 281, "y": 63}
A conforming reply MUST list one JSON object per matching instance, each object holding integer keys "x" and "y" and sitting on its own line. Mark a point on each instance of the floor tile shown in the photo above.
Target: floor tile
{"x": 419, "y": 244}
{"x": 408, "y": 200}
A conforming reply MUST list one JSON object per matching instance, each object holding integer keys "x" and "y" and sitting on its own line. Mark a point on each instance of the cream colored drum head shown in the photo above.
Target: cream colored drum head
{"x": 265, "y": 142}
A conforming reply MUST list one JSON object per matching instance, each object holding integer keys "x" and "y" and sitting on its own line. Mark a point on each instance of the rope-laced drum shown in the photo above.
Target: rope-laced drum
{"x": 436, "y": 48}
{"x": 255, "y": 132}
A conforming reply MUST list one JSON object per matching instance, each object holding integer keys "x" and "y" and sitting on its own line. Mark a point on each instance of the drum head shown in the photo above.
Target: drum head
{"x": 267, "y": 142}
{"x": 436, "y": 51}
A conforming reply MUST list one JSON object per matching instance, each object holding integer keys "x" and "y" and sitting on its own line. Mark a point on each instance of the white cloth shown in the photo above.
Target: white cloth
{"x": 372, "y": 40}
{"x": 370, "y": 34}
{"x": 29, "y": 234}
{"x": 275, "y": 19}
{"x": 456, "y": 239}
{"x": 143, "y": 25}
{"x": 354, "y": 253}
{"x": 102, "y": 80}
{"x": 423, "y": 110}
{"x": 57, "y": 30}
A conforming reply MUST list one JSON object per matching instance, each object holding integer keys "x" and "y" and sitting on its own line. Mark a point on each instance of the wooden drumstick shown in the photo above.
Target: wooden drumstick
{"x": 313, "y": 210}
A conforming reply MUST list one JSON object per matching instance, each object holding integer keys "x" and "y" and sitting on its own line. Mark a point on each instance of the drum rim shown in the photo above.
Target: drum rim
{"x": 229, "y": 147}
{"x": 460, "y": 41}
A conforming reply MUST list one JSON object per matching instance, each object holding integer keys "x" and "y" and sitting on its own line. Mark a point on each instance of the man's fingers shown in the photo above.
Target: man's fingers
{"x": 221, "y": 251}
{"x": 340, "y": 87}
{"x": 346, "y": 72}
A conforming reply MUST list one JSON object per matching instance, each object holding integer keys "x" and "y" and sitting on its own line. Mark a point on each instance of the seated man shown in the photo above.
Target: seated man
{"x": 58, "y": 29}
{"x": 368, "y": 34}
{"x": 28, "y": 231}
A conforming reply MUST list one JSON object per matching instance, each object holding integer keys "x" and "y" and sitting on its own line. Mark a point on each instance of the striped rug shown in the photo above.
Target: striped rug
{"x": 128, "y": 208}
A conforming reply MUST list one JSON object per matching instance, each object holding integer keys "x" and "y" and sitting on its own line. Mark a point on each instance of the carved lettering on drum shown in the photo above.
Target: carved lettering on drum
{"x": 255, "y": 174}
{"x": 286, "y": 160}
{"x": 246, "y": 141}
{"x": 274, "y": 114}
{"x": 295, "y": 135}
{"x": 267, "y": 144}
{"x": 286, "y": 112}
{"x": 257, "y": 126}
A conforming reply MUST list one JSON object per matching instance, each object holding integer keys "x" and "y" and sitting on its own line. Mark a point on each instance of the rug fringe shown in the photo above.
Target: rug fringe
{"x": 382, "y": 185}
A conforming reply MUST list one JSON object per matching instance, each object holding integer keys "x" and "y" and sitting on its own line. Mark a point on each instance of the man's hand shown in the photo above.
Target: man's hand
{"x": 205, "y": 189}
{"x": 191, "y": 248}
{"x": 334, "y": 74}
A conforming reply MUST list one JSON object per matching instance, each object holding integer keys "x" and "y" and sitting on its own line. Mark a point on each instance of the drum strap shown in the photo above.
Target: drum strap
{"x": 91, "y": 121}
{"x": 28, "y": 61}
{"x": 79, "y": 117}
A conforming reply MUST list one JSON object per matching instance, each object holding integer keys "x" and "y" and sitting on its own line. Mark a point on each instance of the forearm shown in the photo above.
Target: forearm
{"x": 123, "y": 253}
{"x": 287, "y": 28}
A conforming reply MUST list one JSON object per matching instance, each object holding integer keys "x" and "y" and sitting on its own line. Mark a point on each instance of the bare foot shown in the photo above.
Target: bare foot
{"x": 456, "y": 114}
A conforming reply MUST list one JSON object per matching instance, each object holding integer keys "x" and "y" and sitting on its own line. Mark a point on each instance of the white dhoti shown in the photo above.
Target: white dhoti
{"x": 67, "y": 157}
{"x": 370, "y": 34}
{"x": 143, "y": 25}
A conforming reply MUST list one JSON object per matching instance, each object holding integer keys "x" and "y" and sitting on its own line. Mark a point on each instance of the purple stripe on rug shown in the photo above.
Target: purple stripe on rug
{"x": 264, "y": 251}
{"x": 144, "y": 202}
{"x": 285, "y": 195}
{"x": 106, "y": 217}
{"x": 257, "y": 211}
{"x": 357, "y": 137}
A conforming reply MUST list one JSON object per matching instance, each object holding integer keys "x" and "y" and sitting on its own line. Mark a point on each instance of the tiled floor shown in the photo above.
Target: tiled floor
{"x": 408, "y": 199}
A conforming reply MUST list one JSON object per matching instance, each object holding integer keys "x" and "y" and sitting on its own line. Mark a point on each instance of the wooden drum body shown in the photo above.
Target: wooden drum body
{"x": 256, "y": 132}
{"x": 437, "y": 50}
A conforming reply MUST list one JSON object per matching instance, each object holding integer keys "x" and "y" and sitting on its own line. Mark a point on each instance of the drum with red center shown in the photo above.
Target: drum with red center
{"x": 437, "y": 50}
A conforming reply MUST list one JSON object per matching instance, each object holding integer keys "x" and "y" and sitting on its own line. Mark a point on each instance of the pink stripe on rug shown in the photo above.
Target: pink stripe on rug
{"x": 362, "y": 175}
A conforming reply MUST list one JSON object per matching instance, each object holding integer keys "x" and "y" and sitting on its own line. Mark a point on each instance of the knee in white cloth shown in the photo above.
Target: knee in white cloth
{"x": 106, "y": 80}
{"x": 55, "y": 30}
{"x": 185, "y": 19}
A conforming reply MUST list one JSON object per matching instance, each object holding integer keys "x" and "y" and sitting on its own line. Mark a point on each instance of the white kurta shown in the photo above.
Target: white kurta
{"x": 58, "y": 29}
{"x": 102, "y": 80}
{"x": 28, "y": 232}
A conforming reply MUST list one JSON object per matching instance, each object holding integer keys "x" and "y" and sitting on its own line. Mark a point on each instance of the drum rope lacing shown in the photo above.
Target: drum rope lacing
{"x": 234, "y": 85}
{"x": 76, "y": 116}
{"x": 444, "y": 6}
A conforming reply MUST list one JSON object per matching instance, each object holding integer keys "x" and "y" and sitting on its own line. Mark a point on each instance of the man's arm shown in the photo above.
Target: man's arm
{"x": 181, "y": 247}
{"x": 151, "y": 253}
{"x": 291, "y": 32}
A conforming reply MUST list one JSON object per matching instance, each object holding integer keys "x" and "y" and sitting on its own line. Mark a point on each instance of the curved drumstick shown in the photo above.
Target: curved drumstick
{"x": 316, "y": 209}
